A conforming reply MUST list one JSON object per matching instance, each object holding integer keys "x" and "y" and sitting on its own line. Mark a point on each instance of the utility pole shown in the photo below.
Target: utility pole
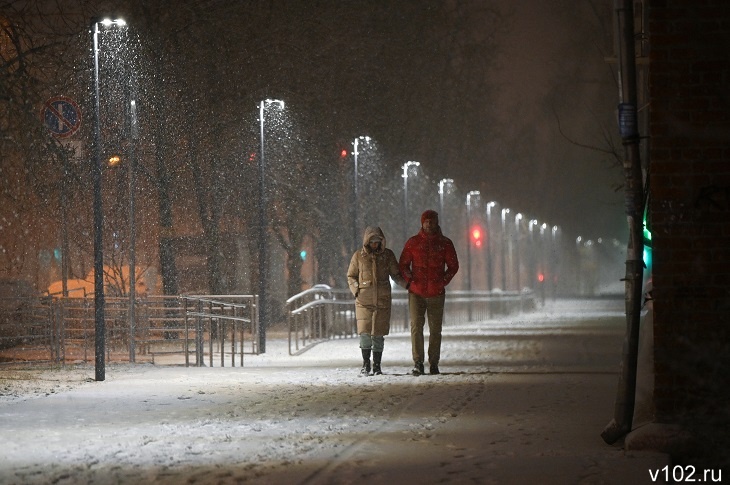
{"x": 628, "y": 128}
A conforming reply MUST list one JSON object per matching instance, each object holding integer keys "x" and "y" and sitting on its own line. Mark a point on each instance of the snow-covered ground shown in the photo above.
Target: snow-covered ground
{"x": 520, "y": 400}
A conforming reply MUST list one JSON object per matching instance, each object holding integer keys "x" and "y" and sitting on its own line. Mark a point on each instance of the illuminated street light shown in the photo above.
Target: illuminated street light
{"x": 532, "y": 264}
{"x": 134, "y": 135}
{"x": 355, "y": 153}
{"x": 263, "y": 226}
{"x": 504, "y": 249}
{"x": 99, "y": 324}
{"x": 442, "y": 184}
{"x": 473, "y": 193}
{"x": 490, "y": 269}
{"x": 406, "y": 166}
{"x": 518, "y": 218}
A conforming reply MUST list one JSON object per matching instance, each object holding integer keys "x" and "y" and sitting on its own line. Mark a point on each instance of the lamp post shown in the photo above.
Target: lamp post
{"x": 532, "y": 265}
{"x": 134, "y": 135}
{"x": 490, "y": 269}
{"x": 442, "y": 183}
{"x": 355, "y": 153}
{"x": 99, "y": 324}
{"x": 543, "y": 226}
{"x": 518, "y": 218}
{"x": 406, "y": 166}
{"x": 578, "y": 244}
{"x": 555, "y": 260}
{"x": 473, "y": 193}
{"x": 504, "y": 249}
{"x": 263, "y": 226}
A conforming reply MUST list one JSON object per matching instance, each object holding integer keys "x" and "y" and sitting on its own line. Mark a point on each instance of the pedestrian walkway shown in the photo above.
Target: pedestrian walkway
{"x": 518, "y": 401}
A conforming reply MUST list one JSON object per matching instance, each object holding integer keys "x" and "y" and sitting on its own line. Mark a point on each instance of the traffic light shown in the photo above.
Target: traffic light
{"x": 540, "y": 277}
{"x": 343, "y": 153}
{"x": 476, "y": 236}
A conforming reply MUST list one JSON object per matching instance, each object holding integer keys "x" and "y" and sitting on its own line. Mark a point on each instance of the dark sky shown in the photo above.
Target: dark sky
{"x": 552, "y": 73}
{"x": 475, "y": 93}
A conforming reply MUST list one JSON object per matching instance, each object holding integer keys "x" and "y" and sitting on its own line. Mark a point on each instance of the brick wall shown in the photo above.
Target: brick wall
{"x": 689, "y": 88}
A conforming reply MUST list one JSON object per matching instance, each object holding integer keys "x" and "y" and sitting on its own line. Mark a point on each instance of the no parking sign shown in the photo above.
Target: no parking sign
{"x": 62, "y": 116}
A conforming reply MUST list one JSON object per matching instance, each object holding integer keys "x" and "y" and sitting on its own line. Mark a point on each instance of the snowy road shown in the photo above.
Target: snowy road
{"x": 521, "y": 400}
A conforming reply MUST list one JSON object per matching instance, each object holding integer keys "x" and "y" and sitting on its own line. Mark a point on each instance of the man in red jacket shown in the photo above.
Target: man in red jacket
{"x": 428, "y": 263}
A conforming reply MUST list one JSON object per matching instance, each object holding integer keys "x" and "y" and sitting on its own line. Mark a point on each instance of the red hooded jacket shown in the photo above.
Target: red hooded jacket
{"x": 428, "y": 263}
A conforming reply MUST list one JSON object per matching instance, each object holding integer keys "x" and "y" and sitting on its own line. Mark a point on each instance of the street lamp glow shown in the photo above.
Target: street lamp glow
{"x": 442, "y": 183}
{"x": 109, "y": 22}
{"x": 473, "y": 193}
{"x": 504, "y": 214}
{"x": 407, "y": 165}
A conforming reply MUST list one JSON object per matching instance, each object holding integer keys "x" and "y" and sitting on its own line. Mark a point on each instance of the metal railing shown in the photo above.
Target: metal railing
{"x": 224, "y": 319}
{"x": 62, "y": 330}
{"x": 322, "y": 313}
{"x": 319, "y": 313}
{"x": 188, "y": 329}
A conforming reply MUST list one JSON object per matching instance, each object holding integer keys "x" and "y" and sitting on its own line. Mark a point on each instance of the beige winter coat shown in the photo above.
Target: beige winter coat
{"x": 369, "y": 280}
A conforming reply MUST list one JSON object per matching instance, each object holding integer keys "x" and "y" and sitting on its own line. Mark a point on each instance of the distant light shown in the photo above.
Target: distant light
{"x": 108, "y": 22}
{"x": 275, "y": 101}
{"x": 303, "y": 255}
{"x": 114, "y": 160}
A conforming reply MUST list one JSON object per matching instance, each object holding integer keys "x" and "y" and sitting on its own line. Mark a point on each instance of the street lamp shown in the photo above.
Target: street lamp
{"x": 263, "y": 226}
{"x": 578, "y": 244}
{"x": 406, "y": 166}
{"x": 442, "y": 183}
{"x": 532, "y": 265}
{"x": 99, "y": 324}
{"x": 518, "y": 218}
{"x": 355, "y": 243}
{"x": 504, "y": 248}
{"x": 134, "y": 135}
{"x": 555, "y": 260}
{"x": 473, "y": 193}
{"x": 490, "y": 270}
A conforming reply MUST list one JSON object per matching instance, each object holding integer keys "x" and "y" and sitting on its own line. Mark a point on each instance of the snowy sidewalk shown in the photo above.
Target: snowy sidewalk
{"x": 522, "y": 400}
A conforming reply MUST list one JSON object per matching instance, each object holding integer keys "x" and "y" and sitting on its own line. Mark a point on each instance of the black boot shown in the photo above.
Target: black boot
{"x": 377, "y": 356}
{"x": 417, "y": 369}
{"x": 365, "y": 371}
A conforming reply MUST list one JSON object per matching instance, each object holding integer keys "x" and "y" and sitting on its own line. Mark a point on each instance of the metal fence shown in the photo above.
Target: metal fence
{"x": 213, "y": 330}
{"x": 322, "y": 313}
{"x": 188, "y": 329}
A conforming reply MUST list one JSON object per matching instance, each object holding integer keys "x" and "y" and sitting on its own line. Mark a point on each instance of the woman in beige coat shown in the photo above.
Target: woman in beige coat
{"x": 369, "y": 280}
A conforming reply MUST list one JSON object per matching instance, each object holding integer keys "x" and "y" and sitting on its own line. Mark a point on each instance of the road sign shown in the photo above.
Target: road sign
{"x": 62, "y": 116}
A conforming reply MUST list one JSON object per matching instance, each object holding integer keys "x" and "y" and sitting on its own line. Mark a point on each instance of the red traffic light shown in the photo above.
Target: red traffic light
{"x": 540, "y": 277}
{"x": 476, "y": 236}
{"x": 343, "y": 153}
